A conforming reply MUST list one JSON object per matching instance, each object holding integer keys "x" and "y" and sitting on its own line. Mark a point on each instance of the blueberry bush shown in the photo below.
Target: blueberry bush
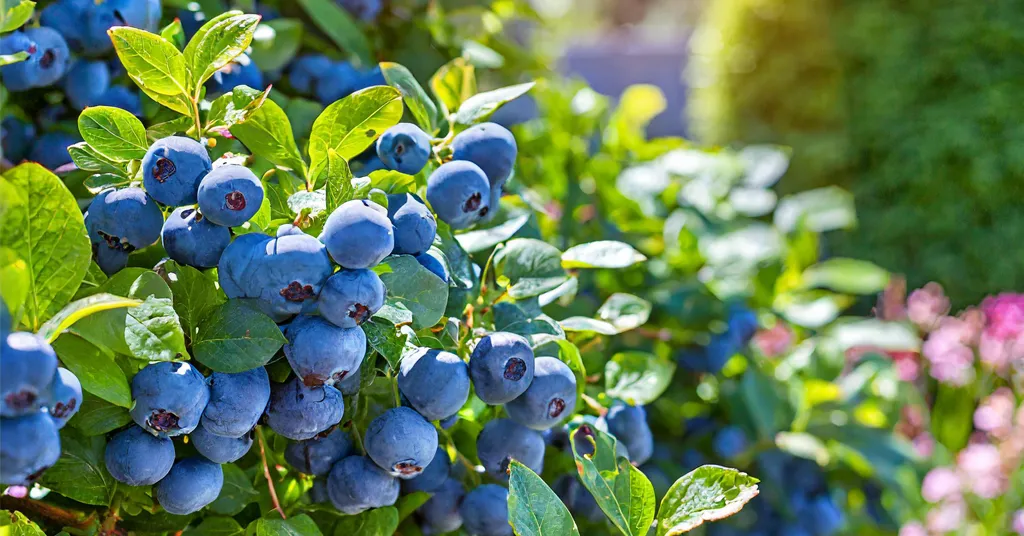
{"x": 226, "y": 313}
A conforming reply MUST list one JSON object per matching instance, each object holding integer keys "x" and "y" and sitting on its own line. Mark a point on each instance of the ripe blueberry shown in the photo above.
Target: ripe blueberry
{"x": 230, "y": 195}
{"x": 138, "y": 458}
{"x": 501, "y": 367}
{"x": 550, "y": 398}
{"x": 173, "y": 169}
{"x": 435, "y": 382}
{"x": 169, "y": 398}
{"x": 459, "y": 193}
{"x": 401, "y": 442}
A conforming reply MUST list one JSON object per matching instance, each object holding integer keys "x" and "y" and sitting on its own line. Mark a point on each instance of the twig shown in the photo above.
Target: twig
{"x": 58, "y": 515}
{"x": 266, "y": 473}
{"x": 594, "y": 404}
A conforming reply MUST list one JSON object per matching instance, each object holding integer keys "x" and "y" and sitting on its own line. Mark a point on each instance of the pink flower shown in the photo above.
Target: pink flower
{"x": 924, "y": 445}
{"x": 947, "y": 517}
{"x": 999, "y": 353}
{"x": 940, "y": 483}
{"x": 951, "y": 361}
{"x": 927, "y": 305}
{"x": 982, "y": 470}
{"x": 775, "y": 341}
{"x": 913, "y": 529}
{"x": 995, "y": 413}
{"x": 1004, "y": 315}
{"x": 1018, "y": 522}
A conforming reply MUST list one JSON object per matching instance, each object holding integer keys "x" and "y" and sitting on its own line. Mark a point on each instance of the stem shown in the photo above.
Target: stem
{"x": 266, "y": 473}
{"x": 196, "y": 119}
{"x": 594, "y": 404}
{"x": 58, "y": 515}
{"x": 394, "y": 388}
{"x": 358, "y": 437}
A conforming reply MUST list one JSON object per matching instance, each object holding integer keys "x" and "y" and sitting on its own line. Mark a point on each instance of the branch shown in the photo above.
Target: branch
{"x": 266, "y": 473}
{"x": 58, "y": 515}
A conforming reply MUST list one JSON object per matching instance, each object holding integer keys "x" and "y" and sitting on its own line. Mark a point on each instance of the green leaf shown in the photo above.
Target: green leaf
{"x": 195, "y": 294}
{"x": 234, "y": 107}
{"x": 376, "y": 522}
{"x": 275, "y": 43}
{"x": 98, "y": 417}
{"x": 415, "y": 288}
{"x": 621, "y": 490}
{"x": 533, "y": 508}
{"x": 453, "y": 83}
{"x": 824, "y": 209}
{"x": 334, "y": 175}
{"x": 217, "y": 526}
{"x": 413, "y": 94}
{"x": 300, "y": 525}
{"x": 180, "y": 124}
{"x": 217, "y": 43}
{"x": 8, "y": 59}
{"x": 481, "y": 106}
{"x": 768, "y": 410}
{"x": 174, "y": 34}
{"x": 350, "y": 125}
{"x": 80, "y": 473}
{"x": 267, "y": 133}
{"x": 620, "y": 313}
{"x": 531, "y": 267}
{"x": 951, "y": 419}
{"x": 154, "y": 65}
{"x": 48, "y": 233}
{"x": 14, "y": 523}
{"x": 235, "y": 338}
{"x": 385, "y": 340}
{"x": 334, "y": 21}
{"x": 14, "y": 278}
{"x": 708, "y": 493}
{"x": 460, "y": 266}
{"x": 80, "y": 309}
{"x": 638, "y": 376}
{"x": 237, "y": 492}
{"x": 15, "y": 16}
{"x": 88, "y": 158}
{"x": 408, "y": 504}
{"x": 602, "y": 254}
{"x": 850, "y": 276}
{"x": 97, "y": 371}
{"x": 484, "y": 239}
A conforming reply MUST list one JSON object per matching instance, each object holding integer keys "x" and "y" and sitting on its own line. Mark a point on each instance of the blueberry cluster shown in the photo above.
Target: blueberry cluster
{"x": 316, "y": 75}
{"x": 741, "y": 325}
{"x": 177, "y": 172}
{"x": 36, "y": 400}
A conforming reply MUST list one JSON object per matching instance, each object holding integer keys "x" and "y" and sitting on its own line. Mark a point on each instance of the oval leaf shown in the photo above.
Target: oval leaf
{"x": 268, "y": 133}
{"x": 97, "y": 370}
{"x": 236, "y": 337}
{"x": 638, "y": 376}
{"x": 531, "y": 266}
{"x": 419, "y": 103}
{"x": 217, "y": 43}
{"x": 80, "y": 473}
{"x": 350, "y": 125}
{"x": 602, "y": 254}
{"x": 533, "y": 508}
{"x": 113, "y": 132}
{"x": 481, "y": 106}
{"x": 708, "y": 493}
{"x": 850, "y": 276}
{"x": 621, "y": 490}
{"x": 339, "y": 26}
{"x": 414, "y": 288}
{"x": 155, "y": 65}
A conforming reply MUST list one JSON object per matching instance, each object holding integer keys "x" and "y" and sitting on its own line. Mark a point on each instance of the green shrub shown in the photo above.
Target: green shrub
{"x": 910, "y": 104}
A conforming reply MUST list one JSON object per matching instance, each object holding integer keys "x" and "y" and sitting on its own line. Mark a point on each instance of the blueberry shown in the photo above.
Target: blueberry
{"x": 168, "y": 398}
{"x": 356, "y": 484}
{"x": 305, "y": 71}
{"x": 401, "y": 442}
{"x": 431, "y": 261}
{"x": 583, "y": 446}
{"x": 124, "y": 220}
{"x": 300, "y": 412}
{"x": 285, "y": 274}
{"x": 230, "y": 195}
{"x": 364, "y": 10}
{"x": 365, "y": 164}
{"x": 321, "y": 353}
{"x": 191, "y": 484}
{"x": 17, "y": 136}
{"x": 414, "y": 224}
{"x": 485, "y": 511}
{"x": 501, "y": 367}
{"x": 629, "y": 425}
{"x": 242, "y": 71}
{"x": 490, "y": 146}
{"x": 404, "y": 148}
{"x": 173, "y": 168}
{"x": 236, "y": 401}
{"x": 337, "y": 82}
{"x": 6, "y": 324}
{"x": 220, "y": 449}
{"x": 31, "y": 444}
{"x": 67, "y": 397}
{"x": 121, "y": 97}
{"x": 729, "y": 442}
{"x": 351, "y": 297}
{"x": 192, "y": 239}
{"x": 504, "y": 440}
{"x": 144, "y": 14}
{"x": 66, "y": 17}
{"x": 28, "y": 365}
{"x": 86, "y": 82}
{"x": 51, "y": 149}
{"x": 316, "y": 456}
{"x": 449, "y": 421}
{"x": 138, "y": 458}
{"x": 433, "y": 475}
{"x": 358, "y": 234}
{"x": 577, "y": 499}
{"x": 110, "y": 260}
{"x": 440, "y": 514}
{"x": 318, "y": 492}
{"x": 46, "y": 63}
{"x": 371, "y": 77}
{"x": 435, "y": 382}
{"x": 550, "y": 398}
{"x": 459, "y": 193}
{"x": 743, "y": 322}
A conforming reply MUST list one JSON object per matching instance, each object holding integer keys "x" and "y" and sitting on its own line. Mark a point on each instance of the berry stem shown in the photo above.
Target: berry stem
{"x": 394, "y": 388}
{"x": 58, "y": 515}
{"x": 594, "y": 404}
{"x": 266, "y": 473}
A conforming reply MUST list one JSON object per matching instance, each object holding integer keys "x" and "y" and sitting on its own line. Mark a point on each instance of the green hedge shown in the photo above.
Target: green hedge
{"x": 913, "y": 105}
